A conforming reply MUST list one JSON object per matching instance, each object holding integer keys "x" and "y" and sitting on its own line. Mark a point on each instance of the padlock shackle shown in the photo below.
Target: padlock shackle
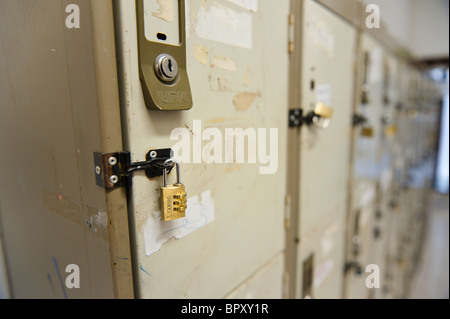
{"x": 177, "y": 165}
{"x": 164, "y": 177}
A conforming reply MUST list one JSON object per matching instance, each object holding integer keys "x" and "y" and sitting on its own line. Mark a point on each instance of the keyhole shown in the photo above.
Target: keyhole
{"x": 170, "y": 65}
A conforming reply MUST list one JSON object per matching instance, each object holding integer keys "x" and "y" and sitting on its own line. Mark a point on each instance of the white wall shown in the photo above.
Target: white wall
{"x": 429, "y": 27}
{"x": 421, "y": 26}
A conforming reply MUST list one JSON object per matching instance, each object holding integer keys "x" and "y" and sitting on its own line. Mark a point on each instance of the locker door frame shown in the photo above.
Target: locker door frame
{"x": 85, "y": 117}
{"x": 350, "y": 12}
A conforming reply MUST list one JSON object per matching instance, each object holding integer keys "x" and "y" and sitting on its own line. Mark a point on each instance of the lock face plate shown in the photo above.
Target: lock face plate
{"x": 173, "y": 202}
{"x": 161, "y": 90}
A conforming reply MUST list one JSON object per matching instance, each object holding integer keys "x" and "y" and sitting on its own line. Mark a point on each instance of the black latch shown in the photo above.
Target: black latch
{"x": 114, "y": 170}
{"x": 295, "y": 118}
{"x": 319, "y": 117}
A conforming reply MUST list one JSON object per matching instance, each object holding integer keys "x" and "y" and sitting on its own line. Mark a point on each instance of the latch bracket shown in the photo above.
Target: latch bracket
{"x": 113, "y": 170}
{"x": 295, "y": 118}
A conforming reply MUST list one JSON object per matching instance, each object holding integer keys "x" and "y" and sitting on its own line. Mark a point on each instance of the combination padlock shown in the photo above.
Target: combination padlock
{"x": 173, "y": 197}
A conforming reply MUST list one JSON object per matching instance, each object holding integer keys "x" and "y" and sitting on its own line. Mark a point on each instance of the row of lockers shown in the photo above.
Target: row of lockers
{"x": 348, "y": 127}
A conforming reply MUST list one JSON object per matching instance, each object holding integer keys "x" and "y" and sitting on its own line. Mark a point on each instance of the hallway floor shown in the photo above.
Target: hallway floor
{"x": 432, "y": 277}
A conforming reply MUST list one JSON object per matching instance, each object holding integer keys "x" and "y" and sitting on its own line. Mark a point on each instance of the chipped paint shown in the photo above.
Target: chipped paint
{"x": 223, "y": 63}
{"x": 201, "y": 54}
{"x": 216, "y": 120}
{"x": 218, "y": 84}
{"x": 242, "y": 101}
{"x": 246, "y": 77}
{"x": 165, "y": 11}
{"x": 232, "y": 168}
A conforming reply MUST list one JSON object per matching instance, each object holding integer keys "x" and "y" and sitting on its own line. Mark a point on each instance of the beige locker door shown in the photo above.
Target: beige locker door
{"x": 367, "y": 154}
{"x": 59, "y": 104}
{"x": 327, "y": 57}
{"x": 237, "y": 66}
{"x": 370, "y": 172}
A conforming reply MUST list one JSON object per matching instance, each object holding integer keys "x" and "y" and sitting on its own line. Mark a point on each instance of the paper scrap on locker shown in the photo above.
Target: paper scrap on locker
{"x": 200, "y": 212}
{"x": 323, "y": 94}
{"x": 225, "y": 25}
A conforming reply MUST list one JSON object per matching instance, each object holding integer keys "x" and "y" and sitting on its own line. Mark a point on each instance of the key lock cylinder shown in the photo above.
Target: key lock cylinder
{"x": 173, "y": 197}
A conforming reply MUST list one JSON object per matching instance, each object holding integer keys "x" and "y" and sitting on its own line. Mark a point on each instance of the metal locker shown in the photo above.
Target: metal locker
{"x": 366, "y": 165}
{"x": 320, "y": 261}
{"x": 238, "y": 80}
{"x": 320, "y": 146}
{"x": 59, "y": 106}
{"x": 193, "y": 149}
{"x": 264, "y": 284}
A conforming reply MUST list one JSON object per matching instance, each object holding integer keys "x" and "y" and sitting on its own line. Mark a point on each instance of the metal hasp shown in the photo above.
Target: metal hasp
{"x": 319, "y": 117}
{"x": 162, "y": 67}
{"x": 114, "y": 170}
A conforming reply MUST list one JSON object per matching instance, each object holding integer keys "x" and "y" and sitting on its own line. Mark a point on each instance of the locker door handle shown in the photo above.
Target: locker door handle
{"x": 162, "y": 63}
{"x": 361, "y": 120}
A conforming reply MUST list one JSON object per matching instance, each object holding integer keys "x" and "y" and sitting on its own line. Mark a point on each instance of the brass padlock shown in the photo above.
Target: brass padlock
{"x": 321, "y": 116}
{"x": 173, "y": 198}
{"x": 367, "y": 131}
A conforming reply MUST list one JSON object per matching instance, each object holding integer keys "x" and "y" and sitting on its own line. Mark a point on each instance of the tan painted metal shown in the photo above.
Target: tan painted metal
{"x": 232, "y": 86}
{"x": 59, "y": 105}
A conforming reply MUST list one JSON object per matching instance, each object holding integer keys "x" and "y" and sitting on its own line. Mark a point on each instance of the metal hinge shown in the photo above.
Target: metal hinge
{"x": 114, "y": 170}
{"x": 295, "y": 118}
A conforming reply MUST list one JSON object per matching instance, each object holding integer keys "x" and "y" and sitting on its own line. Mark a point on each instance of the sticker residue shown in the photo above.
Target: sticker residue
{"x": 242, "y": 101}
{"x": 201, "y": 54}
{"x": 200, "y": 212}
{"x": 321, "y": 36}
{"x": 165, "y": 11}
{"x": 225, "y": 25}
{"x": 223, "y": 63}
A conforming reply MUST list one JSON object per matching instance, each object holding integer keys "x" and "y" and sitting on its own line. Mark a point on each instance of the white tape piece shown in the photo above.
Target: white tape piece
{"x": 225, "y": 25}
{"x": 323, "y": 94}
{"x": 199, "y": 213}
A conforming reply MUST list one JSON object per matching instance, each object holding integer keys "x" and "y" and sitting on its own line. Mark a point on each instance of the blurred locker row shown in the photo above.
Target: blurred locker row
{"x": 166, "y": 149}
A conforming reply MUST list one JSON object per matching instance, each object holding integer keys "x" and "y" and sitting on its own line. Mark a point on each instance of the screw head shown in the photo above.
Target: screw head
{"x": 112, "y": 161}
{"x": 98, "y": 170}
{"x": 114, "y": 179}
{"x": 153, "y": 154}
